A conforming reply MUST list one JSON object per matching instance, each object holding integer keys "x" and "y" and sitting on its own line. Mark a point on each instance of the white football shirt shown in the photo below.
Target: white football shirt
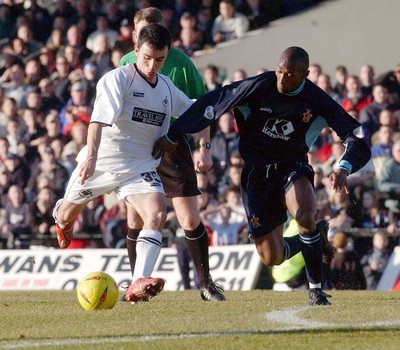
{"x": 136, "y": 114}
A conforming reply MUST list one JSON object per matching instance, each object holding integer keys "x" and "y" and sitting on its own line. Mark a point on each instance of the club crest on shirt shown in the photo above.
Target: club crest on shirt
{"x": 209, "y": 113}
{"x": 138, "y": 94}
{"x": 307, "y": 115}
{"x": 165, "y": 101}
{"x": 255, "y": 221}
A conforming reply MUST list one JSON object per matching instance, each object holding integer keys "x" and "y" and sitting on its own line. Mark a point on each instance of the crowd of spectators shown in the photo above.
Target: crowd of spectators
{"x": 54, "y": 52}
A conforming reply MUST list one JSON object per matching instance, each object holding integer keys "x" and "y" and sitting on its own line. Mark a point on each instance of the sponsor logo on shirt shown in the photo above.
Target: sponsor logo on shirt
{"x": 209, "y": 113}
{"x": 148, "y": 117}
{"x": 138, "y": 94}
{"x": 278, "y": 129}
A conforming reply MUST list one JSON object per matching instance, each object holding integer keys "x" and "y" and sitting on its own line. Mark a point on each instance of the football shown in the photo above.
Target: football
{"x": 97, "y": 291}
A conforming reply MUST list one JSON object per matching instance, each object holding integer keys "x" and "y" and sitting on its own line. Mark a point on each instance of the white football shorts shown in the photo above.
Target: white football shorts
{"x": 123, "y": 184}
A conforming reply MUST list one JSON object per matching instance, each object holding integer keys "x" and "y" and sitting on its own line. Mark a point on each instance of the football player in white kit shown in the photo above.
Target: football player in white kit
{"x": 132, "y": 110}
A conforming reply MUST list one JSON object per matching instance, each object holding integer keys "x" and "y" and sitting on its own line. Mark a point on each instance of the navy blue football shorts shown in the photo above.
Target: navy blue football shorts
{"x": 263, "y": 190}
{"x": 177, "y": 174}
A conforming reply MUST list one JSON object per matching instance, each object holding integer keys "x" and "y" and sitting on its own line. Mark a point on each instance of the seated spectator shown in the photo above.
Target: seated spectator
{"x": 375, "y": 260}
{"x": 211, "y": 78}
{"x": 14, "y": 136}
{"x": 229, "y": 24}
{"x": 369, "y": 115}
{"x": 354, "y": 99}
{"x": 345, "y": 269}
{"x": 42, "y": 213}
{"x": 389, "y": 182}
{"x": 72, "y": 148}
{"x": 113, "y": 225}
{"x": 315, "y": 70}
{"x": 190, "y": 39}
{"x": 324, "y": 82}
{"x": 102, "y": 27}
{"x": 225, "y": 224}
{"x": 370, "y": 214}
{"x": 341, "y": 76}
{"x": 205, "y": 21}
{"x": 49, "y": 98}
{"x": 391, "y": 80}
{"x": 88, "y": 223}
{"x": 17, "y": 219}
{"x": 367, "y": 75}
{"x": 12, "y": 81}
{"x": 76, "y": 109}
{"x": 101, "y": 57}
{"x": 8, "y": 111}
{"x": 256, "y": 11}
{"x": 33, "y": 133}
{"x": 382, "y": 148}
{"x": 49, "y": 166}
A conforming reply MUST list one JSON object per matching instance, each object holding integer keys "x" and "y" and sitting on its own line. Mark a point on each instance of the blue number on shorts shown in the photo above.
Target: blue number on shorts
{"x": 151, "y": 176}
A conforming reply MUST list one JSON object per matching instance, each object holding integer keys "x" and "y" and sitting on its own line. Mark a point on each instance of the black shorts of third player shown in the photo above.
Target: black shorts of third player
{"x": 177, "y": 174}
{"x": 263, "y": 190}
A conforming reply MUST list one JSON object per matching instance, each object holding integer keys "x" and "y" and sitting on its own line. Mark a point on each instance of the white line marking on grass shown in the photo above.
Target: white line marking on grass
{"x": 291, "y": 316}
{"x": 285, "y": 316}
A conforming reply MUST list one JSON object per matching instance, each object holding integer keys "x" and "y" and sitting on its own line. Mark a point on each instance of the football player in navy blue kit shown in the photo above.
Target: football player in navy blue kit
{"x": 280, "y": 115}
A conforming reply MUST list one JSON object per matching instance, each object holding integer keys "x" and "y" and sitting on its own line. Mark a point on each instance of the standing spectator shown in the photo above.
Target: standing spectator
{"x": 369, "y": 115}
{"x": 375, "y": 260}
{"x": 229, "y": 24}
{"x": 345, "y": 269}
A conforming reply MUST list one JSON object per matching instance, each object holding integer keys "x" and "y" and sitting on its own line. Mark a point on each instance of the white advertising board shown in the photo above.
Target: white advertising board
{"x": 233, "y": 267}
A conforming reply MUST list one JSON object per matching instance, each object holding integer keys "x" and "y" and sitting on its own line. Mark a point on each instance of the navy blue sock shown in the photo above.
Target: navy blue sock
{"x": 312, "y": 254}
{"x": 292, "y": 247}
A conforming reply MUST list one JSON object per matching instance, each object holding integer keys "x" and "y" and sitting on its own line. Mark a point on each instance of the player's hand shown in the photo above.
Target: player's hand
{"x": 202, "y": 160}
{"x": 86, "y": 170}
{"x": 163, "y": 147}
{"x": 338, "y": 180}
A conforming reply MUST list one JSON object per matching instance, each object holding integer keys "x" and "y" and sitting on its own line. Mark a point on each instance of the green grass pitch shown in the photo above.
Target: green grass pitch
{"x": 258, "y": 319}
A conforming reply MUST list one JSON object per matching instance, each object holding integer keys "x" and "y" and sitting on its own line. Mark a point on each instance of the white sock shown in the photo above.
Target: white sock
{"x": 314, "y": 285}
{"x": 148, "y": 247}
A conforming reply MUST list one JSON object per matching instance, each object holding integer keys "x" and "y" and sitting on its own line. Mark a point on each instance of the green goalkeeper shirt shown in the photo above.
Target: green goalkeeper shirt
{"x": 180, "y": 69}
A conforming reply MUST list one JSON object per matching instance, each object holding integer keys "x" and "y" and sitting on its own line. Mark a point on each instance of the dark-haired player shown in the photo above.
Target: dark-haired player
{"x": 178, "y": 173}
